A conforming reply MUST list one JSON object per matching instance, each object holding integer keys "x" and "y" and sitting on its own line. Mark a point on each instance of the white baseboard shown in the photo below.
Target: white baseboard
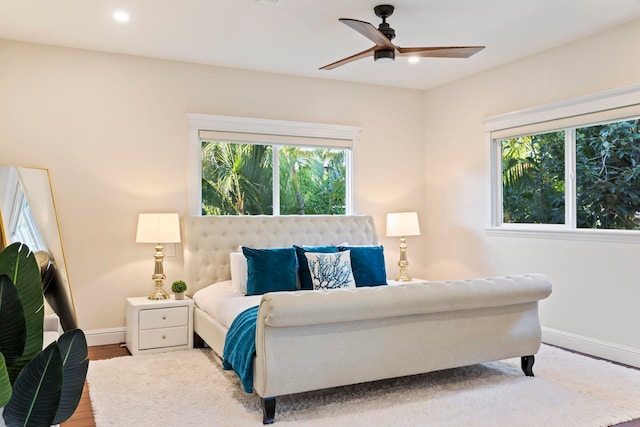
{"x": 105, "y": 336}
{"x": 604, "y": 349}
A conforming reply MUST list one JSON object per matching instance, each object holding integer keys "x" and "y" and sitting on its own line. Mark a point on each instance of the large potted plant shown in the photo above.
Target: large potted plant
{"x": 37, "y": 387}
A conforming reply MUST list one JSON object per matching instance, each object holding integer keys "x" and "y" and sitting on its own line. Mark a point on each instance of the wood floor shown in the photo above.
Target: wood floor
{"x": 83, "y": 417}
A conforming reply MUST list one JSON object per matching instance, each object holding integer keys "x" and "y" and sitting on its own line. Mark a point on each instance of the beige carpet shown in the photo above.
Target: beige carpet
{"x": 189, "y": 388}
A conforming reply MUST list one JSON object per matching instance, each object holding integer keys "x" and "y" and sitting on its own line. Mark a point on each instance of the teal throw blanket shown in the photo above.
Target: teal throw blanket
{"x": 240, "y": 347}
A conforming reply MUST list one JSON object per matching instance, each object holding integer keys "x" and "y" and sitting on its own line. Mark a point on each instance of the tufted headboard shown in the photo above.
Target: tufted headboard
{"x": 207, "y": 240}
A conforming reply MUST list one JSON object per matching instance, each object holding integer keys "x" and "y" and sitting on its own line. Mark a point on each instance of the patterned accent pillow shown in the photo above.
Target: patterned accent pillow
{"x": 330, "y": 270}
{"x": 303, "y": 265}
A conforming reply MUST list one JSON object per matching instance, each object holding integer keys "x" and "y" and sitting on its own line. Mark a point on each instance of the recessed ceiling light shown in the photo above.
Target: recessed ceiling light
{"x": 414, "y": 59}
{"x": 121, "y": 16}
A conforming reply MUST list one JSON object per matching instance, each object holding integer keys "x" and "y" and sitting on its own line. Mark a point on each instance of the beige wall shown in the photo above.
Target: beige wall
{"x": 596, "y": 285}
{"x": 112, "y": 131}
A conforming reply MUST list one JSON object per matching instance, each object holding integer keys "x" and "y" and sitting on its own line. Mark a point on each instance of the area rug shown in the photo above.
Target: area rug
{"x": 189, "y": 388}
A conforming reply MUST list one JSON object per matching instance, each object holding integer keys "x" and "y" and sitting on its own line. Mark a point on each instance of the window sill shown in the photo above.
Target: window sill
{"x": 610, "y": 236}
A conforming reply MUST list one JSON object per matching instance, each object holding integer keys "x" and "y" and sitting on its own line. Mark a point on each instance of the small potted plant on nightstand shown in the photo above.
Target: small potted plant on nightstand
{"x": 178, "y": 288}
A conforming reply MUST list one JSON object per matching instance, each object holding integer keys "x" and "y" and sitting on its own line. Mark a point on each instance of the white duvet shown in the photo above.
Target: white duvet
{"x": 223, "y": 303}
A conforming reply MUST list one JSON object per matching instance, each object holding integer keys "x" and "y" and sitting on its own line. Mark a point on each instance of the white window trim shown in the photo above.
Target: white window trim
{"x": 207, "y": 122}
{"x": 16, "y": 213}
{"x": 601, "y": 103}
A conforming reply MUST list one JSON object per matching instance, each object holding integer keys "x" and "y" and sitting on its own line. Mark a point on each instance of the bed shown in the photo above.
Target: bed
{"x": 309, "y": 340}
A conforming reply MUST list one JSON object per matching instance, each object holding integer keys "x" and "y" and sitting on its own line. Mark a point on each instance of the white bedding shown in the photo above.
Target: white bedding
{"x": 223, "y": 303}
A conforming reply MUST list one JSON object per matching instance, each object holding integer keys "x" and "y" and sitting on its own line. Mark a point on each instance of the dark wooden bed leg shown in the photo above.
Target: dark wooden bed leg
{"x": 527, "y": 365}
{"x": 268, "y": 409}
{"x": 198, "y": 342}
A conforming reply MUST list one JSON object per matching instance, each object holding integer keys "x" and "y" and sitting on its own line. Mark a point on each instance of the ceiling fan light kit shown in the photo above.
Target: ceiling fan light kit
{"x": 384, "y": 55}
{"x": 385, "y": 51}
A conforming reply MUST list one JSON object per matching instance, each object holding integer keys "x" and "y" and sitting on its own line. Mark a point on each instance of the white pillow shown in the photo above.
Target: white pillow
{"x": 239, "y": 272}
{"x": 330, "y": 270}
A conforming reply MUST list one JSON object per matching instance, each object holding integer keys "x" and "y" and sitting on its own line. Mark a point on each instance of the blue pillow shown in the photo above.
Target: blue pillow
{"x": 303, "y": 266}
{"x": 367, "y": 263}
{"x": 270, "y": 270}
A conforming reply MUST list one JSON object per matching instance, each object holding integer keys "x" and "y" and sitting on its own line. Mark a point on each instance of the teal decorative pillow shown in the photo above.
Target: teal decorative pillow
{"x": 367, "y": 263}
{"x": 303, "y": 266}
{"x": 270, "y": 270}
{"x": 330, "y": 270}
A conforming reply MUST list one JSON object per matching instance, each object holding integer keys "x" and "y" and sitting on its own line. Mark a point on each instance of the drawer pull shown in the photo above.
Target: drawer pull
{"x": 164, "y": 337}
{"x": 164, "y": 317}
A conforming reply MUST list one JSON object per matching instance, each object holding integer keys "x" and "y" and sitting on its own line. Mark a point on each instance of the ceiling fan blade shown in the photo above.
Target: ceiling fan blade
{"x": 370, "y": 32}
{"x": 440, "y": 52}
{"x": 351, "y": 58}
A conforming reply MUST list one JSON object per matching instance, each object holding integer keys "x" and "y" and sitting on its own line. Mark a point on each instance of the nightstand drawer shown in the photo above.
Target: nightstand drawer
{"x": 164, "y": 317}
{"x": 166, "y": 337}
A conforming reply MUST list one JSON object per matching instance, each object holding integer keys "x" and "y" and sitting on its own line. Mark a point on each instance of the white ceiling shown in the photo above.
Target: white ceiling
{"x": 299, "y": 36}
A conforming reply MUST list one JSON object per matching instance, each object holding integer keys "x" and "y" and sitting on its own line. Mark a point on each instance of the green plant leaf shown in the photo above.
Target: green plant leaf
{"x": 5, "y": 384}
{"x": 75, "y": 360}
{"x": 13, "y": 330}
{"x": 19, "y": 263}
{"x": 36, "y": 392}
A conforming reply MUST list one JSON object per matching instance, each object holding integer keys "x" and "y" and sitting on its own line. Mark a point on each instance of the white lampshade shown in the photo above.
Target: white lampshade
{"x": 158, "y": 228}
{"x": 403, "y": 224}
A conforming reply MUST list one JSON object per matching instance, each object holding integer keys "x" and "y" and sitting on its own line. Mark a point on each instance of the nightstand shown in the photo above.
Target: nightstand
{"x": 154, "y": 326}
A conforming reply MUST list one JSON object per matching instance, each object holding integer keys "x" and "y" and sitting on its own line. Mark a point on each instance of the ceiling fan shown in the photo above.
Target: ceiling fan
{"x": 385, "y": 51}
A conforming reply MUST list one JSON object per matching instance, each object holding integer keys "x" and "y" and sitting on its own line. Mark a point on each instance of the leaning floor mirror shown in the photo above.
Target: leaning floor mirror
{"x": 28, "y": 215}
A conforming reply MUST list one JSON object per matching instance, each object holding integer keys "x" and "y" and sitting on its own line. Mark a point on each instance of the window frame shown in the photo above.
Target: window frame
{"x": 609, "y": 106}
{"x": 20, "y": 212}
{"x": 317, "y": 134}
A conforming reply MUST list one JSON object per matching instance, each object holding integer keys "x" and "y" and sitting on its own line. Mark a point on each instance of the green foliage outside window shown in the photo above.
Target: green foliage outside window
{"x": 312, "y": 181}
{"x": 533, "y": 179}
{"x": 237, "y": 179}
{"x": 607, "y": 177}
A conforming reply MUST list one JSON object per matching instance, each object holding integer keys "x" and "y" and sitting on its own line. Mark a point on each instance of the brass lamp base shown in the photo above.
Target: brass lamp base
{"x": 159, "y": 292}
{"x": 403, "y": 263}
{"x": 158, "y": 276}
{"x": 403, "y": 276}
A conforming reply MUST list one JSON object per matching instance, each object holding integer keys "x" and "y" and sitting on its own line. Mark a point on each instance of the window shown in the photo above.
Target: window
{"x": 20, "y": 225}
{"x": 266, "y": 167}
{"x": 238, "y": 179}
{"x": 569, "y": 167}
{"x": 533, "y": 184}
{"x": 23, "y": 226}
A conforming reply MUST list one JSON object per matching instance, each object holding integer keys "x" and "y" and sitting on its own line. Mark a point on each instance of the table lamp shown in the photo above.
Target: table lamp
{"x": 403, "y": 224}
{"x": 158, "y": 228}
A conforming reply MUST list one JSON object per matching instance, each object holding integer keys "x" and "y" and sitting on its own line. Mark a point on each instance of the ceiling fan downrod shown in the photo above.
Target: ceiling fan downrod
{"x": 384, "y": 11}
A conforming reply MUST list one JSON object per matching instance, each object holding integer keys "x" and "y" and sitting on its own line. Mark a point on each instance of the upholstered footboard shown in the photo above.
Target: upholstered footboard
{"x": 314, "y": 340}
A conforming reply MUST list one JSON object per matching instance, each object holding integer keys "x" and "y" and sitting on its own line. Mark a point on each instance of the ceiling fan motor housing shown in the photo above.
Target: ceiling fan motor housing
{"x": 385, "y": 29}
